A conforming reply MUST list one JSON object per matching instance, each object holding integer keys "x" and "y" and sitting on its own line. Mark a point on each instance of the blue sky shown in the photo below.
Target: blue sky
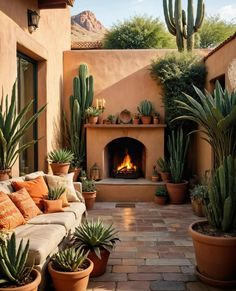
{"x": 110, "y": 11}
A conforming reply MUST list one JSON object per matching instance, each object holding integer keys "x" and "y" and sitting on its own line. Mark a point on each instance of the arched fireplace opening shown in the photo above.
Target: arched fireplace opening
{"x": 125, "y": 158}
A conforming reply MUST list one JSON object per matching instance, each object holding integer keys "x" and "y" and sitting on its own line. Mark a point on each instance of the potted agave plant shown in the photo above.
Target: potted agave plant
{"x": 92, "y": 113}
{"x": 99, "y": 239}
{"x": 60, "y": 161}
{"x": 177, "y": 146}
{"x": 214, "y": 240}
{"x": 89, "y": 192}
{"x": 145, "y": 109}
{"x": 14, "y": 273}
{"x": 70, "y": 270}
{"x": 13, "y": 127}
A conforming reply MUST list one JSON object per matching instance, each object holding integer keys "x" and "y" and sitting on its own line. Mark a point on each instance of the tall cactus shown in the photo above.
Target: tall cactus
{"x": 81, "y": 99}
{"x": 181, "y": 26}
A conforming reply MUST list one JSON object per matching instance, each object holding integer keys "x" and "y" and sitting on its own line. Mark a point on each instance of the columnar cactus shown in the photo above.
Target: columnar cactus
{"x": 181, "y": 26}
{"x": 81, "y": 99}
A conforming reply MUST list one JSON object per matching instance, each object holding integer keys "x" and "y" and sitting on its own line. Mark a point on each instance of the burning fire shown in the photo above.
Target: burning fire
{"x": 126, "y": 165}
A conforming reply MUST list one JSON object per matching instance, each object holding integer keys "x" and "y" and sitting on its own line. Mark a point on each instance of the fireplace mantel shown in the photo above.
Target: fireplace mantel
{"x": 100, "y": 135}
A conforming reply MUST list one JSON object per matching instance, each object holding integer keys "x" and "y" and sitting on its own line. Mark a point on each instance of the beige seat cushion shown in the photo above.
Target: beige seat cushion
{"x": 44, "y": 239}
{"x": 77, "y": 208}
{"x": 66, "y": 219}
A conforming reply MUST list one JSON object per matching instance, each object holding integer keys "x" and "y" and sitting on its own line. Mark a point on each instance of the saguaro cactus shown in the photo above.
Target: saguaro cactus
{"x": 81, "y": 99}
{"x": 181, "y": 26}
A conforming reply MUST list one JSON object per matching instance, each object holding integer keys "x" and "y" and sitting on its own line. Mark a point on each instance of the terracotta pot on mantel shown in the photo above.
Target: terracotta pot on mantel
{"x": 5, "y": 174}
{"x": 146, "y": 119}
{"x": 215, "y": 258}
{"x": 93, "y": 119}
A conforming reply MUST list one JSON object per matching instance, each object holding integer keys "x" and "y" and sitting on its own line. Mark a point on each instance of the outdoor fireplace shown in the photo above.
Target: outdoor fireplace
{"x": 126, "y": 158}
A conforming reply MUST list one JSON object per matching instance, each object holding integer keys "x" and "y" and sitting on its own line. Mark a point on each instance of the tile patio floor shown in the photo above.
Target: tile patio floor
{"x": 155, "y": 252}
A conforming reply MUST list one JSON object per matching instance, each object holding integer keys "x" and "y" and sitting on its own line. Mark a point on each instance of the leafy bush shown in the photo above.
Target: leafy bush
{"x": 177, "y": 73}
{"x": 139, "y": 32}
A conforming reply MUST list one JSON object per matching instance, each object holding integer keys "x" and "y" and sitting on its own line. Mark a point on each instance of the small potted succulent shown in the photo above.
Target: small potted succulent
{"x": 155, "y": 175}
{"x": 145, "y": 109}
{"x": 112, "y": 119}
{"x": 164, "y": 169}
{"x": 14, "y": 273}
{"x": 156, "y": 117}
{"x": 97, "y": 238}
{"x": 54, "y": 200}
{"x": 70, "y": 270}
{"x": 161, "y": 195}
{"x": 89, "y": 192}
{"x": 92, "y": 114}
{"x": 136, "y": 118}
{"x": 197, "y": 195}
{"x": 60, "y": 161}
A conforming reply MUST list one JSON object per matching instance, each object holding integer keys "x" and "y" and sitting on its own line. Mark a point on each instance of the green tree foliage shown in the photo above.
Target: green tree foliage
{"x": 177, "y": 73}
{"x": 215, "y": 31}
{"x": 139, "y": 32}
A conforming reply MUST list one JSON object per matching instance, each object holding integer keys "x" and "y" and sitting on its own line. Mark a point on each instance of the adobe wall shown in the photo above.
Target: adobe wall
{"x": 45, "y": 45}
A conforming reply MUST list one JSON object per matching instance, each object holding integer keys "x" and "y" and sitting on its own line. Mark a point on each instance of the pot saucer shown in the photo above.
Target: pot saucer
{"x": 215, "y": 283}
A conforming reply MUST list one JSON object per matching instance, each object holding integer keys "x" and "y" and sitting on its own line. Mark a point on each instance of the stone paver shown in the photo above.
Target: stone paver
{"x": 155, "y": 252}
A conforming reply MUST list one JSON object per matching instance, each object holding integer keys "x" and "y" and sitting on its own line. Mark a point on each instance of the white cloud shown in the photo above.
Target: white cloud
{"x": 227, "y": 12}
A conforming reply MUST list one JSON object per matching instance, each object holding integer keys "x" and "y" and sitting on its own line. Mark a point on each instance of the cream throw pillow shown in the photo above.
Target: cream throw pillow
{"x": 63, "y": 181}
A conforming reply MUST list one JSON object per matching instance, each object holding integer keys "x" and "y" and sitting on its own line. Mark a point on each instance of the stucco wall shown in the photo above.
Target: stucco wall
{"x": 45, "y": 45}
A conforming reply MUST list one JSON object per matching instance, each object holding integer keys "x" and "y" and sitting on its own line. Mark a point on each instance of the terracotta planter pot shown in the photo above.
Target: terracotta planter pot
{"x": 136, "y": 121}
{"x": 155, "y": 178}
{"x": 89, "y": 198}
{"x": 93, "y": 119}
{"x": 70, "y": 281}
{"x": 215, "y": 257}
{"x": 156, "y": 120}
{"x": 99, "y": 265}
{"x": 76, "y": 174}
{"x": 165, "y": 176}
{"x": 60, "y": 169}
{"x": 197, "y": 207}
{"x": 146, "y": 119}
{"x": 33, "y": 286}
{"x": 160, "y": 200}
{"x": 177, "y": 192}
{"x": 5, "y": 174}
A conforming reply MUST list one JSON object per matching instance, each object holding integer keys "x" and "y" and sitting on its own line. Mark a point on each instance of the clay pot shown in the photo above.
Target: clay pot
{"x": 60, "y": 169}
{"x": 99, "y": 265}
{"x": 156, "y": 120}
{"x": 155, "y": 178}
{"x": 215, "y": 257}
{"x": 160, "y": 200}
{"x": 76, "y": 174}
{"x": 146, "y": 119}
{"x": 197, "y": 207}
{"x": 177, "y": 192}
{"x": 93, "y": 119}
{"x": 5, "y": 174}
{"x": 33, "y": 286}
{"x": 73, "y": 281}
{"x": 165, "y": 176}
{"x": 136, "y": 121}
{"x": 89, "y": 198}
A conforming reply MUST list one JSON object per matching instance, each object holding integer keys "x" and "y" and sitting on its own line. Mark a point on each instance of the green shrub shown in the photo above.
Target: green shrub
{"x": 139, "y": 32}
{"x": 177, "y": 73}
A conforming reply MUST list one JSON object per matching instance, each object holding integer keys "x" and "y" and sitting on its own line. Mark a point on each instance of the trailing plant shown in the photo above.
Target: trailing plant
{"x": 55, "y": 193}
{"x": 94, "y": 235}
{"x": 145, "y": 108}
{"x": 13, "y": 126}
{"x": 163, "y": 165}
{"x": 60, "y": 156}
{"x": 182, "y": 26}
{"x": 88, "y": 185}
{"x": 176, "y": 73}
{"x": 216, "y": 115}
{"x": 70, "y": 260}
{"x": 13, "y": 269}
{"x": 220, "y": 204}
{"x": 177, "y": 146}
{"x": 92, "y": 111}
{"x": 82, "y": 98}
{"x": 161, "y": 191}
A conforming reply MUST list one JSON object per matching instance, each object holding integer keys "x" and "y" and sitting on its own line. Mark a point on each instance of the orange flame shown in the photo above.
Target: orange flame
{"x": 126, "y": 164}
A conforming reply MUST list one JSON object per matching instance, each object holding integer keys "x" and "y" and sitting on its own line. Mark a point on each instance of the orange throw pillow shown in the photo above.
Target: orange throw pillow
{"x": 25, "y": 204}
{"x": 10, "y": 216}
{"x": 51, "y": 206}
{"x": 37, "y": 189}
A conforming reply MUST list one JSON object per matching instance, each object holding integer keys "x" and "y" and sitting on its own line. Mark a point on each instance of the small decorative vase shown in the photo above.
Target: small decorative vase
{"x": 136, "y": 121}
{"x": 156, "y": 120}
